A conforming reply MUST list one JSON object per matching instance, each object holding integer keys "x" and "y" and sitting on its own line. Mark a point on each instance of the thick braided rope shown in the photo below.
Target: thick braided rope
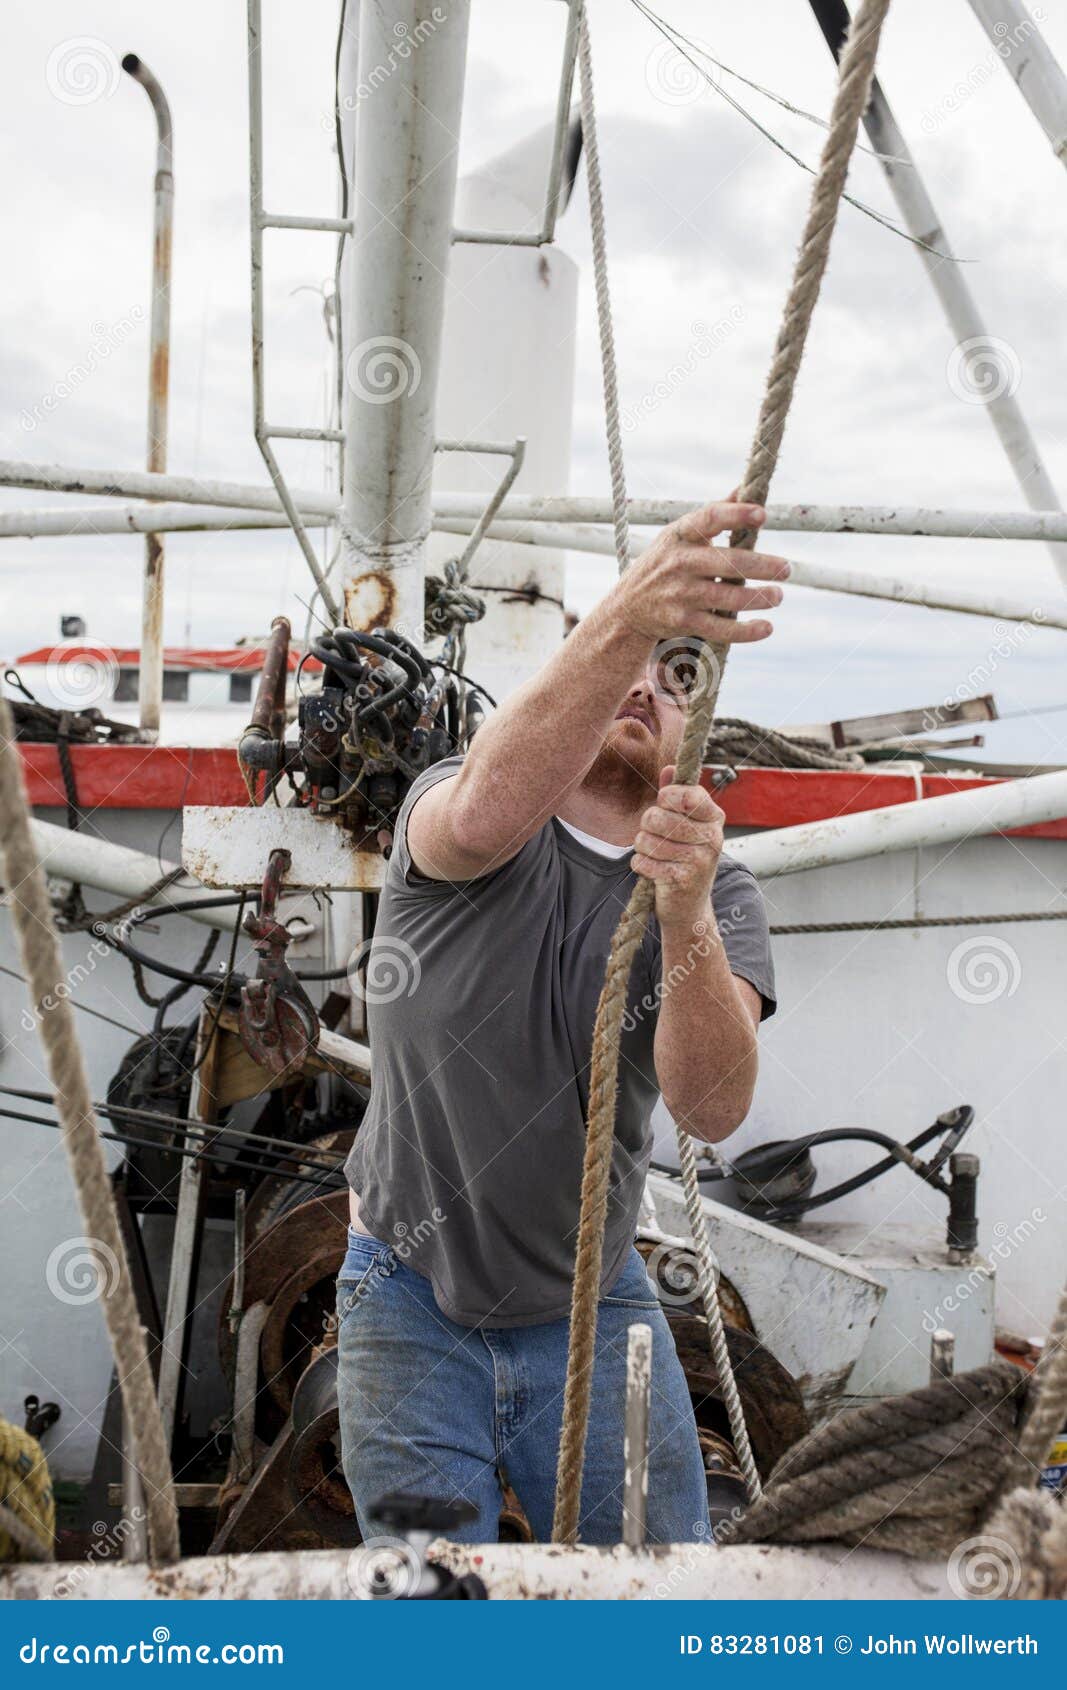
{"x": 1046, "y": 1409}
{"x": 43, "y": 964}
{"x": 733, "y": 740}
{"x": 27, "y": 1501}
{"x": 914, "y": 1473}
{"x": 854, "y": 79}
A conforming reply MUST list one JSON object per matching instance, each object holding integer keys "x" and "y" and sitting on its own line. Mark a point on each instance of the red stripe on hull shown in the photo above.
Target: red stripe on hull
{"x": 164, "y": 777}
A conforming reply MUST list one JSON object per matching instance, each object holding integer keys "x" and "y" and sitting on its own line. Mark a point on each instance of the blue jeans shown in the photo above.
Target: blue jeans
{"x": 431, "y": 1408}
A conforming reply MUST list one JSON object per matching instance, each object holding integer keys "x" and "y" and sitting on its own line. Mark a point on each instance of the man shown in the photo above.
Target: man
{"x": 510, "y": 870}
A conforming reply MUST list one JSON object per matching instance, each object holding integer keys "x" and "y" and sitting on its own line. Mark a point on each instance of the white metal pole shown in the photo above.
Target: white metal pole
{"x": 942, "y": 1354}
{"x": 911, "y": 520}
{"x": 115, "y": 869}
{"x": 84, "y": 521}
{"x": 897, "y": 827}
{"x": 139, "y": 484}
{"x": 637, "y": 1415}
{"x": 985, "y": 364}
{"x": 88, "y": 521}
{"x": 936, "y": 522}
{"x": 823, "y": 576}
{"x": 150, "y": 679}
{"x": 406, "y": 154}
{"x": 1024, "y": 52}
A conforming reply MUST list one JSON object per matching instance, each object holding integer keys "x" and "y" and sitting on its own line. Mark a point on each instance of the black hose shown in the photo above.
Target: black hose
{"x": 188, "y": 976}
{"x": 797, "y": 1209}
{"x": 802, "y": 1205}
{"x": 790, "y": 1211}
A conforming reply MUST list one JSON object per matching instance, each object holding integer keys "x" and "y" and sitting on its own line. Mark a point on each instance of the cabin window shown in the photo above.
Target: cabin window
{"x": 241, "y": 687}
{"x": 176, "y": 685}
{"x": 126, "y": 689}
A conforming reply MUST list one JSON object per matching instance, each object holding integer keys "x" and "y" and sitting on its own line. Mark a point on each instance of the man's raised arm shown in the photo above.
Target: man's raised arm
{"x": 543, "y": 740}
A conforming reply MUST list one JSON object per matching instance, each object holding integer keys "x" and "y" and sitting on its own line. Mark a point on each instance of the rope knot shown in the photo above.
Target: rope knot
{"x": 450, "y": 604}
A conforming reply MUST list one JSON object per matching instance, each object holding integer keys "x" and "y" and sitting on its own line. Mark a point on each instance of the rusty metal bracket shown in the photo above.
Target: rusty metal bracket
{"x": 278, "y": 1022}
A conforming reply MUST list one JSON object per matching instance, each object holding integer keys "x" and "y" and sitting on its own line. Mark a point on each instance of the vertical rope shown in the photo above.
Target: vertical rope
{"x": 855, "y": 72}
{"x": 43, "y": 964}
{"x": 605, "y": 326}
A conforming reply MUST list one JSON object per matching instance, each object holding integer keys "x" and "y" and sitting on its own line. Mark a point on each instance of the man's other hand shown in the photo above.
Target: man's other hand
{"x": 677, "y": 847}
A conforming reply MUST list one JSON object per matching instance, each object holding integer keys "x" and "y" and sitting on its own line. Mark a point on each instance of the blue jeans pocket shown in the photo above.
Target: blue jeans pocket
{"x": 633, "y": 1289}
{"x": 366, "y": 1261}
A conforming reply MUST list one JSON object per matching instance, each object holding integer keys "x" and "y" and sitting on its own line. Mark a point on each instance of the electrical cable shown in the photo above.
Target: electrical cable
{"x": 288, "y": 1149}
{"x": 325, "y": 1181}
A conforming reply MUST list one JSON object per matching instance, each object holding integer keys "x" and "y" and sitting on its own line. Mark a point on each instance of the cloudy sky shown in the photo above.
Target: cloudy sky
{"x": 703, "y": 218}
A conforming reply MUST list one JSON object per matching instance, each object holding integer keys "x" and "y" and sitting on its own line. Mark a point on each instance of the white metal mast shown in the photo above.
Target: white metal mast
{"x": 1020, "y": 45}
{"x": 406, "y": 157}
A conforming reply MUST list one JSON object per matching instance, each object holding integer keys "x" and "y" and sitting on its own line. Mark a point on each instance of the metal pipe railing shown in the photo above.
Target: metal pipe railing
{"x": 573, "y": 537}
{"x": 561, "y": 536}
{"x": 931, "y": 521}
{"x": 150, "y": 683}
{"x": 993, "y": 807}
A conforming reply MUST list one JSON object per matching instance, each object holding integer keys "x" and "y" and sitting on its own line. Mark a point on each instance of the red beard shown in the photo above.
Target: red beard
{"x": 627, "y": 766}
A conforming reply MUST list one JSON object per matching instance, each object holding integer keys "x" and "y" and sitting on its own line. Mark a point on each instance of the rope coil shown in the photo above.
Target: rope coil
{"x": 913, "y": 1473}
{"x": 27, "y": 1502}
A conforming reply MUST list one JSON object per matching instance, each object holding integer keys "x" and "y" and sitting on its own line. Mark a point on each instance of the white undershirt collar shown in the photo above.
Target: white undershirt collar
{"x": 600, "y": 846}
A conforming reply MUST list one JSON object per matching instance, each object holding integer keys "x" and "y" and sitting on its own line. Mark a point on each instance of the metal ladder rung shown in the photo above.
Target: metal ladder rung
{"x": 328, "y": 225}
{"x": 270, "y": 432}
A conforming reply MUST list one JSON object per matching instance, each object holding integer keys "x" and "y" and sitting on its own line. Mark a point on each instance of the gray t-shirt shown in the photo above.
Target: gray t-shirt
{"x": 481, "y": 999}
